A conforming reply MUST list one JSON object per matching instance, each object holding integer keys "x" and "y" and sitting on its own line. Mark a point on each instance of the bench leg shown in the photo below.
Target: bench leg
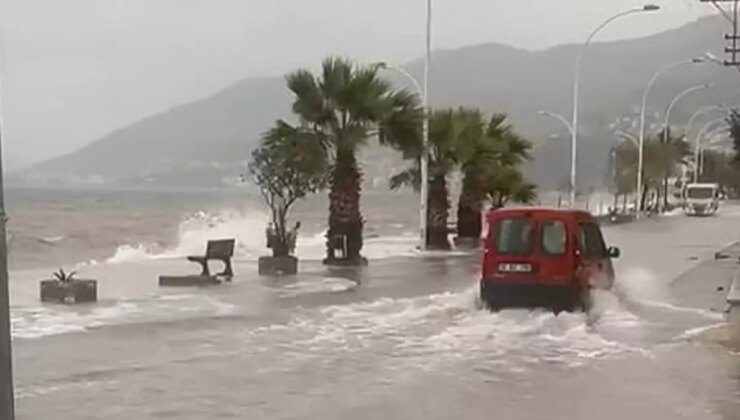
{"x": 205, "y": 272}
{"x": 227, "y": 268}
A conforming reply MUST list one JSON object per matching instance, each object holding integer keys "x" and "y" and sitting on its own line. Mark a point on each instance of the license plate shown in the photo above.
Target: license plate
{"x": 515, "y": 268}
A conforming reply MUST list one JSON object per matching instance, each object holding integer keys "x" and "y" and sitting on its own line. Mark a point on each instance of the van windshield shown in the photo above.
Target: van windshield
{"x": 514, "y": 236}
{"x": 701, "y": 193}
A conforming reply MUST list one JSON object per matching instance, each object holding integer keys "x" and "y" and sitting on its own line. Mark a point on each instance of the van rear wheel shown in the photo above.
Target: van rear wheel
{"x": 585, "y": 299}
{"x": 579, "y": 298}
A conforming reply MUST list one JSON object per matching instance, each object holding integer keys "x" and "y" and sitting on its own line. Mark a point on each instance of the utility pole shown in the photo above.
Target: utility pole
{"x": 732, "y": 14}
{"x": 7, "y": 401}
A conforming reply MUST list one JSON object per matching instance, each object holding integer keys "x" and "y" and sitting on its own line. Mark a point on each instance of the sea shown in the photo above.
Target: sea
{"x": 69, "y": 228}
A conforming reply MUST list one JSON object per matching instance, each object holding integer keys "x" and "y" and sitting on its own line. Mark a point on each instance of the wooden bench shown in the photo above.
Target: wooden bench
{"x": 219, "y": 250}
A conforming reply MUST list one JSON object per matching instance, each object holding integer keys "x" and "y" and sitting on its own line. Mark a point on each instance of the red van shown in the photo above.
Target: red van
{"x": 537, "y": 257}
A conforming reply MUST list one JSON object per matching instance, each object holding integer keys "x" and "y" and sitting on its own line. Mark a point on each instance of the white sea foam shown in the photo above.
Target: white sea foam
{"x": 50, "y": 240}
{"x": 248, "y": 230}
{"x": 40, "y": 321}
{"x": 327, "y": 284}
{"x": 449, "y": 327}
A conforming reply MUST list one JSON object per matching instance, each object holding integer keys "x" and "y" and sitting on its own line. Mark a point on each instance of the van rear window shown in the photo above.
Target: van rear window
{"x": 514, "y": 236}
{"x": 554, "y": 237}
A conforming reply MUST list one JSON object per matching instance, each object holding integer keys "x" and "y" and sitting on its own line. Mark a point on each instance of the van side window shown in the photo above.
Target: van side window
{"x": 513, "y": 236}
{"x": 590, "y": 241}
{"x": 554, "y": 237}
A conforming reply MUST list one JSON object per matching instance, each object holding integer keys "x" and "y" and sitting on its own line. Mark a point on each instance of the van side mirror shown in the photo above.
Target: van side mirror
{"x": 614, "y": 252}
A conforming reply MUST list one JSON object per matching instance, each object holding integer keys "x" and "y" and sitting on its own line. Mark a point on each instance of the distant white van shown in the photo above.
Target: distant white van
{"x": 701, "y": 199}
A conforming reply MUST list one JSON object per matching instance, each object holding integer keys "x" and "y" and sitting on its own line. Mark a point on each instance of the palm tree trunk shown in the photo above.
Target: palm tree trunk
{"x": 345, "y": 217}
{"x": 665, "y": 192}
{"x": 469, "y": 209}
{"x": 438, "y": 205}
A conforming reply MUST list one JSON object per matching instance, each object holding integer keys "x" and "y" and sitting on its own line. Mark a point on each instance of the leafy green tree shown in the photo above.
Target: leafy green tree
{"x": 733, "y": 120}
{"x": 289, "y": 164}
{"x": 719, "y": 167}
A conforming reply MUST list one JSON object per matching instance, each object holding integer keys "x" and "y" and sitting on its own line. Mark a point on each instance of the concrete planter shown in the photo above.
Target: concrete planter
{"x": 188, "y": 281}
{"x": 277, "y": 266}
{"x": 72, "y": 292}
{"x": 467, "y": 243}
{"x": 346, "y": 262}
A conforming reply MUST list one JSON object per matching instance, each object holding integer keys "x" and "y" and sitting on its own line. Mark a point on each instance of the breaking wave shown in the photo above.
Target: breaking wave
{"x": 248, "y": 230}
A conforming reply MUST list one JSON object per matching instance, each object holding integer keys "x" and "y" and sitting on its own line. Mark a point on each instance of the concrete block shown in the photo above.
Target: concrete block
{"x": 72, "y": 292}
{"x": 188, "y": 281}
{"x": 275, "y": 266}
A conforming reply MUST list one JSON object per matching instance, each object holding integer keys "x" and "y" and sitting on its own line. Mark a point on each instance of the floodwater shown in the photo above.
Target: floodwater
{"x": 402, "y": 338}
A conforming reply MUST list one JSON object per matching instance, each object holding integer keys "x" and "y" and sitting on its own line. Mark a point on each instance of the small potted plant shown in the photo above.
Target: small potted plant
{"x": 66, "y": 288}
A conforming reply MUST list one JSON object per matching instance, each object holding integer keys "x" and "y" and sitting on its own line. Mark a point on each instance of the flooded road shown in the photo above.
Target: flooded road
{"x": 403, "y": 338}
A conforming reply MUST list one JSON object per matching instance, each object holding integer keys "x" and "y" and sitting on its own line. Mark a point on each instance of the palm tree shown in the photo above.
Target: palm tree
{"x": 448, "y": 130}
{"x": 499, "y": 147}
{"x": 733, "y": 120}
{"x": 344, "y": 106}
{"x": 506, "y": 184}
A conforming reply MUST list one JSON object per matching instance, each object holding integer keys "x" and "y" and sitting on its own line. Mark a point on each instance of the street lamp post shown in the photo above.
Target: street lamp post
{"x": 425, "y": 129}
{"x": 697, "y": 146}
{"x": 577, "y": 85}
{"x": 627, "y": 136}
{"x": 673, "y": 104}
{"x": 699, "y": 113}
{"x": 622, "y": 136}
{"x": 425, "y": 149}
{"x": 404, "y": 73}
{"x": 424, "y": 94}
{"x": 7, "y": 400}
{"x": 643, "y": 108}
{"x": 666, "y": 125}
{"x": 559, "y": 118}
{"x": 565, "y": 122}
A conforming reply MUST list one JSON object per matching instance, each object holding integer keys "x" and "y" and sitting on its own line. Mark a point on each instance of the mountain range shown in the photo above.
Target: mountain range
{"x": 207, "y": 142}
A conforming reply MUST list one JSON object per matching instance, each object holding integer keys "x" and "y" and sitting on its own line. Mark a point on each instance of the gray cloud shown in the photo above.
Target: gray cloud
{"x": 74, "y": 70}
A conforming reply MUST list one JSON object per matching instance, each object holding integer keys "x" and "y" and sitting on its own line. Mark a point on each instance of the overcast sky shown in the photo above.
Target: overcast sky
{"x": 73, "y": 70}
